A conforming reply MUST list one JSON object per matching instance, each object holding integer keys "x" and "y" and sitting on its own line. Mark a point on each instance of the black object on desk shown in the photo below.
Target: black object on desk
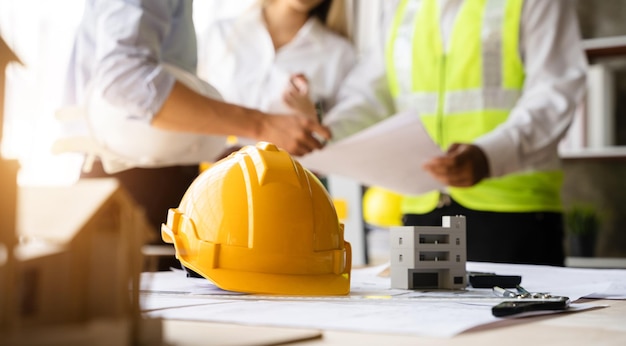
{"x": 514, "y": 307}
{"x": 490, "y": 280}
{"x": 524, "y": 301}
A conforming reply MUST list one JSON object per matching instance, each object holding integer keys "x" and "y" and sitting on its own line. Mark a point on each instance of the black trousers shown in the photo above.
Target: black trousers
{"x": 522, "y": 238}
{"x": 156, "y": 190}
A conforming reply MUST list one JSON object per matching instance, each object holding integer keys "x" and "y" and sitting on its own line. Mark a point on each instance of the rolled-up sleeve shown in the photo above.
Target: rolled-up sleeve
{"x": 130, "y": 37}
{"x": 364, "y": 98}
{"x": 555, "y": 85}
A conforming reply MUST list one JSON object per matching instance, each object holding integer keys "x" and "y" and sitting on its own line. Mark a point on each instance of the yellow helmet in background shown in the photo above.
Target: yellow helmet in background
{"x": 258, "y": 222}
{"x": 381, "y": 207}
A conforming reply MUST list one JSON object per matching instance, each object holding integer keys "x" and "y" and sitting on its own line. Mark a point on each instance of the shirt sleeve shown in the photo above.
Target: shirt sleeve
{"x": 555, "y": 84}
{"x": 129, "y": 39}
{"x": 364, "y": 97}
{"x": 337, "y": 67}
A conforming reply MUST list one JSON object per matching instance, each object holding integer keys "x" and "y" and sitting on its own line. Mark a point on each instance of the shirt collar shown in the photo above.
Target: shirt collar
{"x": 309, "y": 32}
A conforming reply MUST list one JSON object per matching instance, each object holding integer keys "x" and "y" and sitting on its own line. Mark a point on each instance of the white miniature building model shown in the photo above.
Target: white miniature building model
{"x": 425, "y": 257}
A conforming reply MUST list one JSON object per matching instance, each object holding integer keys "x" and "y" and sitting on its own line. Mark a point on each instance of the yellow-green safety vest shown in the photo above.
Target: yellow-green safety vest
{"x": 464, "y": 93}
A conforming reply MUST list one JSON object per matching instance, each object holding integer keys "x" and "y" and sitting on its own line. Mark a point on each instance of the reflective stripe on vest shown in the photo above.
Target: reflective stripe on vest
{"x": 465, "y": 92}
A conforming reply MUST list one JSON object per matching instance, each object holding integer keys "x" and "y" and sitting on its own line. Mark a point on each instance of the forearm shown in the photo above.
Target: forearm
{"x": 555, "y": 85}
{"x": 187, "y": 111}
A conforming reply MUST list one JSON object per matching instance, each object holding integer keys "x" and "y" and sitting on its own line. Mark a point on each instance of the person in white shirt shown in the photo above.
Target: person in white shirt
{"x": 122, "y": 46}
{"x": 279, "y": 56}
{"x": 137, "y": 60}
{"x": 513, "y": 73}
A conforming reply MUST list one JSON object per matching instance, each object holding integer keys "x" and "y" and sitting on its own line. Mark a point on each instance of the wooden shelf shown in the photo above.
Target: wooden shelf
{"x": 612, "y": 153}
{"x": 605, "y": 47}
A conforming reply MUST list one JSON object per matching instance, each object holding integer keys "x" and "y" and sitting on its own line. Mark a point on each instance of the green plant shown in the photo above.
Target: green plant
{"x": 582, "y": 219}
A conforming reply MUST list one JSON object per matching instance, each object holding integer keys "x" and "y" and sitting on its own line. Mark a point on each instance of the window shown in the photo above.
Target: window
{"x": 40, "y": 32}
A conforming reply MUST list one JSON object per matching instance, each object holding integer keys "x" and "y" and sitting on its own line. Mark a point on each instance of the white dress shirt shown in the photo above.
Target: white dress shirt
{"x": 237, "y": 56}
{"x": 126, "y": 57}
{"x": 555, "y": 66}
{"x": 120, "y": 46}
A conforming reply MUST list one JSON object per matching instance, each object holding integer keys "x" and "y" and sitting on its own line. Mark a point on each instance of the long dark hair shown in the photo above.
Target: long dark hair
{"x": 333, "y": 14}
{"x": 321, "y": 11}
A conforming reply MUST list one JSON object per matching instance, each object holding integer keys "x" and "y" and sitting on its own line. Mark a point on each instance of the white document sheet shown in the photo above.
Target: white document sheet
{"x": 439, "y": 319}
{"x": 372, "y": 306}
{"x": 436, "y": 317}
{"x": 570, "y": 282}
{"x": 389, "y": 154}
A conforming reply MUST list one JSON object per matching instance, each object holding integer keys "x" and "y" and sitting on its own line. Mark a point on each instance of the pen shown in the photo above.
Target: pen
{"x": 525, "y": 294}
{"x": 504, "y": 293}
{"x": 319, "y": 110}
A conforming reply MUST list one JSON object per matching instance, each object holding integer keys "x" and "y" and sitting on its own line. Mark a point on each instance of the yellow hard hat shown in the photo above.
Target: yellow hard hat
{"x": 382, "y": 207}
{"x": 258, "y": 222}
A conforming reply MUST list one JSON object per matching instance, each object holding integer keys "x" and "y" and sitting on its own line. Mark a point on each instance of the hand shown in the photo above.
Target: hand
{"x": 297, "y": 97}
{"x": 296, "y": 134}
{"x": 463, "y": 165}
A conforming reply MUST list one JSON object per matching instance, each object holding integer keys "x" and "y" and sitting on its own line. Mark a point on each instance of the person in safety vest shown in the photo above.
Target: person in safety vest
{"x": 496, "y": 84}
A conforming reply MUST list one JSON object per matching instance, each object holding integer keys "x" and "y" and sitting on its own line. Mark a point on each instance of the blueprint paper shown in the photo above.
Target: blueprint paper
{"x": 372, "y": 306}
